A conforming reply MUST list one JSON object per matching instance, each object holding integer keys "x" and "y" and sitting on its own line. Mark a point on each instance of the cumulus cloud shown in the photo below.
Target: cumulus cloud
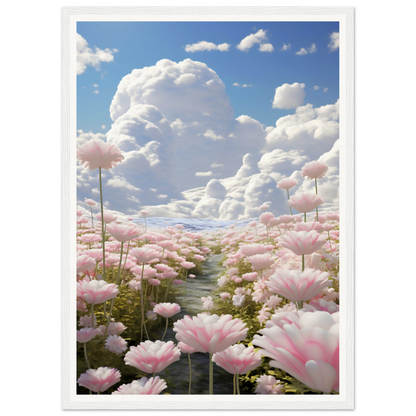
{"x": 301, "y": 51}
{"x": 171, "y": 151}
{"x": 316, "y": 87}
{"x": 312, "y": 48}
{"x": 313, "y": 130}
{"x": 286, "y": 47}
{"x": 266, "y": 47}
{"x": 334, "y": 41}
{"x": 325, "y": 89}
{"x": 289, "y": 96}
{"x": 236, "y": 84}
{"x": 88, "y": 57}
{"x": 249, "y": 41}
{"x": 206, "y": 46}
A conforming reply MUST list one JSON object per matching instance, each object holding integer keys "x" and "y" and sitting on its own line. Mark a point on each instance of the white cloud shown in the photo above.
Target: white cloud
{"x": 88, "y": 57}
{"x": 96, "y": 91}
{"x": 302, "y": 51}
{"x": 103, "y": 126}
{"x": 334, "y": 43}
{"x": 286, "y": 47}
{"x": 289, "y": 96}
{"x": 316, "y": 87}
{"x": 325, "y": 89}
{"x": 168, "y": 156}
{"x": 266, "y": 47}
{"x": 206, "y": 46}
{"x": 236, "y": 84}
{"x": 95, "y": 85}
{"x": 249, "y": 41}
{"x": 312, "y": 48}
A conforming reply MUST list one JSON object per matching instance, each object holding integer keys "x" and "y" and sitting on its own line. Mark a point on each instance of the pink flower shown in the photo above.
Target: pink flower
{"x": 152, "y": 357}
{"x": 261, "y": 261}
{"x": 85, "y": 262}
{"x": 145, "y": 254}
{"x": 123, "y": 233}
{"x": 252, "y": 249}
{"x": 210, "y": 333}
{"x": 99, "y": 380}
{"x": 268, "y": 385}
{"x": 308, "y": 226}
{"x": 224, "y": 295}
{"x": 143, "y": 386}
{"x": 303, "y": 242}
{"x": 287, "y": 183}
{"x": 97, "y": 153}
{"x": 90, "y": 202}
{"x": 86, "y": 334}
{"x": 313, "y": 170}
{"x": 237, "y": 359}
{"x": 96, "y": 291}
{"x": 305, "y": 202}
{"x": 115, "y": 344}
{"x": 207, "y": 303}
{"x": 90, "y": 238}
{"x": 187, "y": 265}
{"x": 167, "y": 310}
{"x": 250, "y": 277}
{"x": 266, "y": 217}
{"x": 135, "y": 285}
{"x": 310, "y": 353}
{"x": 186, "y": 348}
{"x": 108, "y": 217}
{"x": 298, "y": 286}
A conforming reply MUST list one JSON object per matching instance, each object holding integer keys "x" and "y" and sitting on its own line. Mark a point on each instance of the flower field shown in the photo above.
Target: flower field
{"x": 267, "y": 322}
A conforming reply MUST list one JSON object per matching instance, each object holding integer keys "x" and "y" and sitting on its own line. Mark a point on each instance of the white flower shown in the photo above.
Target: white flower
{"x": 222, "y": 281}
{"x": 207, "y": 303}
{"x": 116, "y": 344}
{"x": 238, "y": 300}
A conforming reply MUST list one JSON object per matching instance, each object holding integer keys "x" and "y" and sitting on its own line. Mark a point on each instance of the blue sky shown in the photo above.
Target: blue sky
{"x": 191, "y": 148}
{"x": 141, "y": 44}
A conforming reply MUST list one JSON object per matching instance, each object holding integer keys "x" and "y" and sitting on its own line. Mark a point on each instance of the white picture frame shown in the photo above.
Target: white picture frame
{"x": 345, "y": 16}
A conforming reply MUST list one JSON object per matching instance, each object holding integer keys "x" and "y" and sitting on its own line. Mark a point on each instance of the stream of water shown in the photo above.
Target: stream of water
{"x": 177, "y": 374}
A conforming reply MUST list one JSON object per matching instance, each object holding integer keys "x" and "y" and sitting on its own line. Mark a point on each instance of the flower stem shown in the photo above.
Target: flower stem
{"x": 305, "y": 216}
{"x": 238, "y": 383}
{"x": 154, "y": 374}
{"x": 288, "y": 197}
{"x": 234, "y": 383}
{"x": 166, "y": 328}
{"x": 92, "y": 315}
{"x": 142, "y": 303}
{"x": 92, "y": 218}
{"x": 303, "y": 262}
{"x": 102, "y": 221}
{"x": 112, "y": 300}
{"x": 85, "y": 354}
{"x": 167, "y": 290}
{"x": 190, "y": 373}
{"x": 211, "y": 375}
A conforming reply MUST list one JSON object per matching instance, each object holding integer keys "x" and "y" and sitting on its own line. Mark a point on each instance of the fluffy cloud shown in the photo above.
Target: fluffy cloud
{"x": 88, "y": 57}
{"x": 172, "y": 151}
{"x": 206, "y": 46}
{"x": 313, "y": 130}
{"x": 301, "y": 51}
{"x": 266, "y": 47}
{"x": 312, "y": 48}
{"x": 255, "y": 38}
{"x": 236, "y": 84}
{"x": 289, "y": 96}
{"x": 286, "y": 47}
{"x": 334, "y": 43}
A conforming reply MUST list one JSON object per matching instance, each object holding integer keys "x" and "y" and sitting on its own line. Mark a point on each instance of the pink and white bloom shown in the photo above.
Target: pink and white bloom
{"x": 167, "y": 310}
{"x": 303, "y": 242}
{"x": 287, "y": 183}
{"x": 99, "y": 380}
{"x": 305, "y": 202}
{"x": 266, "y": 217}
{"x": 250, "y": 277}
{"x": 152, "y": 357}
{"x": 145, "y": 254}
{"x": 296, "y": 285}
{"x": 210, "y": 333}
{"x": 108, "y": 217}
{"x": 116, "y": 344}
{"x": 237, "y": 359}
{"x": 309, "y": 353}
{"x": 186, "y": 348}
{"x": 84, "y": 263}
{"x": 123, "y": 233}
{"x": 143, "y": 386}
{"x": 90, "y": 202}
{"x": 261, "y": 261}
{"x": 97, "y": 153}
{"x": 268, "y": 385}
{"x": 86, "y": 334}
{"x": 315, "y": 169}
{"x": 96, "y": 291}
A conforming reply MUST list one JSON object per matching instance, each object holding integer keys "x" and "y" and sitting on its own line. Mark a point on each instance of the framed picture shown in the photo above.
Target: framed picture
{"x": 208, "y": 208}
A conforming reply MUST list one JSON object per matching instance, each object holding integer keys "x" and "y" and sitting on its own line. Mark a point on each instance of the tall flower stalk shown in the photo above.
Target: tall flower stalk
{"x": 102, "y": 221}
